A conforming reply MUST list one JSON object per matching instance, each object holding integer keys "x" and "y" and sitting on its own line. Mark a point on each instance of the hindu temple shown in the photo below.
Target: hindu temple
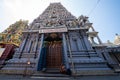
{"x": 57, "y": 39}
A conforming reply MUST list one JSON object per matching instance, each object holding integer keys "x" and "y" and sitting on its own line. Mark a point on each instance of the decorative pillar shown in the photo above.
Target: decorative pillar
{"x": 29, "y": 46}
{"x": 100, "y": 42}
{"x": 82, "y": 39}
{"x": 40, "y": 50}
{"x": 36, "y": 42}
{"x": 23, "y": 44}
{"x": 65, "y": 52}
{"x": 87, "y": 43}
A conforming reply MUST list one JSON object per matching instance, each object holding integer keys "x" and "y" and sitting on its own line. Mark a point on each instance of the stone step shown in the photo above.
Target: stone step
{"x": 84, "y": 55}
{"x": 90, "y": 65}
{"x": 19, "y": 65}
{"x": 53, "y": 70}
{"x": 19, "y": 68}
{"x": 16, "y": 71}
{"x": 43, "y": 74}
{"x": 74, "y": 60}
{"x": 25, "y": 55}
{"x": 94, "y": 71}
{"x": 85, "y": 69}
{"x": 22, "y": 60}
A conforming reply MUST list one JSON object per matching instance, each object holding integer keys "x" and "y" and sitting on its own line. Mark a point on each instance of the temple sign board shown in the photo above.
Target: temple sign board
{"x": 52, "y": 30}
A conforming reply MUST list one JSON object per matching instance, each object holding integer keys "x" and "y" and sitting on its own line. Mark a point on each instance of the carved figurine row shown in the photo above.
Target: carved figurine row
{"x": 56, "y": 22}
{"x": 55, "y": 17}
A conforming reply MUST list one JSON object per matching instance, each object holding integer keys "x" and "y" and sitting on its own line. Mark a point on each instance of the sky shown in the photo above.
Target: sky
{"x": 104, "y": 15}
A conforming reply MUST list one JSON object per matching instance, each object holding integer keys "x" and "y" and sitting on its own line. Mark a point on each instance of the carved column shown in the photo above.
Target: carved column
{"x": 29, "y": 46}
{"x": 23, "y": 44}
{"x": 87, "y": 43}
{"x": 79, "y": 43}
{"x": 65, "y": 52}
{"x": 82, "y": 40}
{"x": 40, "y": 50}
{"x": 36, "y": 42}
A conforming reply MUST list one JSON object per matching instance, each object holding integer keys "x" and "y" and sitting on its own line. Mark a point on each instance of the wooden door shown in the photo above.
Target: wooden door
{"x": 54, "y": 54}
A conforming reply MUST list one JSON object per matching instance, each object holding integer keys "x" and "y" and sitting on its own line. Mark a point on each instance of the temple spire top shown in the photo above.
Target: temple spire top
{"x": 54, "y": 14}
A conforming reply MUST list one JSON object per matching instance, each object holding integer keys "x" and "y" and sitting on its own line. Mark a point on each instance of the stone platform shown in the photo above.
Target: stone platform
{"x": 21, "y": 77}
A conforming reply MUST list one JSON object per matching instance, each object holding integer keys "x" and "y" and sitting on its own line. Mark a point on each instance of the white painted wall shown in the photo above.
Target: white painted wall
{"x": 1, "y": 51}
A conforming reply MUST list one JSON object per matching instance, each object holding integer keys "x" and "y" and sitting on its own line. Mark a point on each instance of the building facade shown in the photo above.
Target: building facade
{"x": 55, "y": 39}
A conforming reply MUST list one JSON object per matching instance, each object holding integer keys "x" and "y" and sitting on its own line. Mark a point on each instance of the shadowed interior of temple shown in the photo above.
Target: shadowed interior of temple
{"x": 53, "y": 37}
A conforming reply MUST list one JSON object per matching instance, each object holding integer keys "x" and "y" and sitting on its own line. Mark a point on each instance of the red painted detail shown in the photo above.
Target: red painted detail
{"x": 7, "y": 54}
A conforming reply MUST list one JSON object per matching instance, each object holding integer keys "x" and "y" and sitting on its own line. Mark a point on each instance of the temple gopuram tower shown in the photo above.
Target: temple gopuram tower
{"x": 58, "y": 39}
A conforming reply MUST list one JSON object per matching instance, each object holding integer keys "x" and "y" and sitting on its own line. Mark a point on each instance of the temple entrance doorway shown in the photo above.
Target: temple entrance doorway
{"x": 53, "y": 43}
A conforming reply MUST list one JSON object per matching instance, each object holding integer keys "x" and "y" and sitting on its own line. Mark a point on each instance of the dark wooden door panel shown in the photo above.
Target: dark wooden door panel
{"x": 54, "y": 55}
